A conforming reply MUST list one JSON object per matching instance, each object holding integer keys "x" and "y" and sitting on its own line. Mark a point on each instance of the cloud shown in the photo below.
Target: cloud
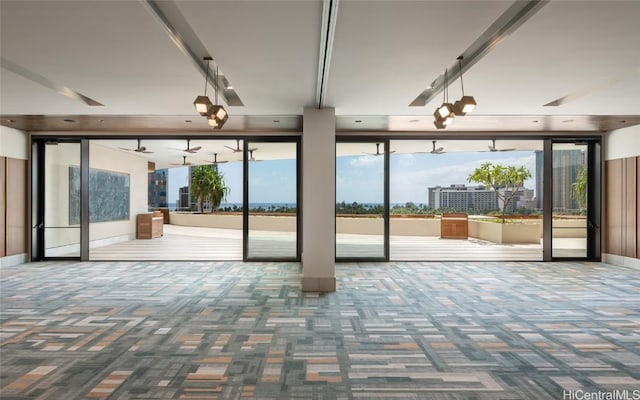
{"x": 406, "y": 160}
{"x": 366, "y": 161}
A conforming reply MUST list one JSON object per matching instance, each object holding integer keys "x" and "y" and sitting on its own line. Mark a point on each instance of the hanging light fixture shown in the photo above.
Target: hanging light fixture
{"x": 202, "y": 103}
{"x": 216, "y": 114}
{"x": 466, "y": 104}
{"x": 444, "y": 114}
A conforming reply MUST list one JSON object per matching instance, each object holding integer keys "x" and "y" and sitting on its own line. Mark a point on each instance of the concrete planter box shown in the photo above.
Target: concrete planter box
{"x": 418, "y": 226}
{"x": 283, "y": 223}
{"x": 509, "y": 233}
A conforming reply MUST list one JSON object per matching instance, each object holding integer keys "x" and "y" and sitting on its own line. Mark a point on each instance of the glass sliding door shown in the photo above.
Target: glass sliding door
{"x": 271, "y": 200}
{"x": 60, "y": 219}
{"x": 181, "y": 180}
{"x": 570, "y": 200}
{"x": 432, "y": 190}
{"x": 361, "y": 200}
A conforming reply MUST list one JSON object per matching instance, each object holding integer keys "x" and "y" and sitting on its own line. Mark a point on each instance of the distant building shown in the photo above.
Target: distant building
{"x": 157, "y": 188}
{"x": 539, "y": 178}
{"x": 184, "y": 199}
{"x": 521, "y": 199}
{"x": 462, "y": 198}
{"x": 566, "y": 165}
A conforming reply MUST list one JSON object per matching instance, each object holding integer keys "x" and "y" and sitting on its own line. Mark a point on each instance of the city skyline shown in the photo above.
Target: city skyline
{"x": 360, "y": 178}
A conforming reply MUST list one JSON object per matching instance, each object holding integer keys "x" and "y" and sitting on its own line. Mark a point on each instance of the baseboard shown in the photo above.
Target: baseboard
{"x": 111, "y": 240}
{"x": 65, "y": 251}
{"x": 320, "y": 284}
{"x": 10, "y": 261}
{"x": 621, "y": 261}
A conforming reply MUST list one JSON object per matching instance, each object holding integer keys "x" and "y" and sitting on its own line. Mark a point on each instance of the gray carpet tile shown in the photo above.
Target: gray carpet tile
{"x": 232, "y": 330}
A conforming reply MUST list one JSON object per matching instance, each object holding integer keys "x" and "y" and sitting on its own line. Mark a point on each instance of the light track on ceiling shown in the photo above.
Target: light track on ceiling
{"x": 39, "y": 79}
{"x": 590, "y": 89}
{"x": 183, "y": 36}
{"x": 516, "y": 15}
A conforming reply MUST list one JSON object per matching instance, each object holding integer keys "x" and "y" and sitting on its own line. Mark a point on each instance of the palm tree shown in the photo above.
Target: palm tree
{"x": 207, "y": 184}
{"x": 579, "y": 189}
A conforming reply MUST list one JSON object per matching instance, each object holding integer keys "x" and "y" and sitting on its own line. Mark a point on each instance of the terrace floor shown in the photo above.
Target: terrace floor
{"x": 196, "y": 243}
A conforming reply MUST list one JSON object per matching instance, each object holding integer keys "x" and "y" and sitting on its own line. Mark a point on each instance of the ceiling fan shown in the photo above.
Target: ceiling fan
{"x": 439, "y": 150}
{"x": 184, "y": 162}
{"x": 494, "y": 148}
{"x": 251, "y": 158}
{"x": 190, "y": 149}
{"x": 378, "y": 153}
{"x": 215, "y": 160}
{"x": 139, "y": 149}
{"x": 237, "y": 149}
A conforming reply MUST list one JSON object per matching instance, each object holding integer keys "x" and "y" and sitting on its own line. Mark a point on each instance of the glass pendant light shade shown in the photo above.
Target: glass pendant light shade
{"x": 444, "y": 110}
{"x": 215, "y": 113}
{"x": 218, "y": 114}
{"x": 213, "y": 122}
{"x": 202, "y": 104}
{"x": 465, "y": 105}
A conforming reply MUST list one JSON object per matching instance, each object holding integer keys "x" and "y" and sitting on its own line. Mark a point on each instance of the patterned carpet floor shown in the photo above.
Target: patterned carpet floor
{"x": 213, "y": 330}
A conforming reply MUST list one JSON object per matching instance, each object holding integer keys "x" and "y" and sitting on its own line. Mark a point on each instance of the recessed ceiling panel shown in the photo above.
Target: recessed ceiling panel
{"x": 112, "y": 51}
{"x": 387, "y": 52}
{"x": 269, "y": 48}
{"x": 587, "y": 47}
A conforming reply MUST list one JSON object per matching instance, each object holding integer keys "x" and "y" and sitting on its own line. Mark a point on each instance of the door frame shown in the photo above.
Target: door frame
{"x": 245, "y": 196}
{"x": 38, "y": 207}
{"x": 370, "y": 139}
{"x": 594, "y": 198}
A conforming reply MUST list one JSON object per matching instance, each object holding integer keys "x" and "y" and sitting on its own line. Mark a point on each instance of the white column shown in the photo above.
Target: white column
{"x": 318, "y": 199}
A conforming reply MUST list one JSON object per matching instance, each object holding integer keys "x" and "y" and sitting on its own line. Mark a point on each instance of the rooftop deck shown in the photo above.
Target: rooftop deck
{"x": 196, "y": 243}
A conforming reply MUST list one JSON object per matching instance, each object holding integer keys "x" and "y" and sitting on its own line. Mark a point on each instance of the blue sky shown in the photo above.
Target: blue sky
{"x": 360, "y": 178}
{"x": 270, "y": 181}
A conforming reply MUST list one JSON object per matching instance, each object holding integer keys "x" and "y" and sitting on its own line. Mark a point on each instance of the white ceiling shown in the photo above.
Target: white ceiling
{"x": 385, "y": 53}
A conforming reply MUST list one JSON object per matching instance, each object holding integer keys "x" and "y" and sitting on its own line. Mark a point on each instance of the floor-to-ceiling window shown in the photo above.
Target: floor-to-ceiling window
{"x": 132, "y": 177}
{"x": 360, "y": 200}
{"x": 56, "y": 213}
{"x": 272, "y": 200}
{"x": 432, "y": 178}
{"x": 195, "y": 187}
{"x": 570, "y": 201}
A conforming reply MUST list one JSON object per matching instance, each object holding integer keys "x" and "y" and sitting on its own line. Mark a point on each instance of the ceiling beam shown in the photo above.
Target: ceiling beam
{"x": 505, "y": 25}
{"x": 39, "y": 79}
{"x": 183, "y": 36}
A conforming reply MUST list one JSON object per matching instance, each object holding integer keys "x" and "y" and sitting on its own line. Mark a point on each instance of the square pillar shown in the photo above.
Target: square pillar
{"x": 319, "y": 198}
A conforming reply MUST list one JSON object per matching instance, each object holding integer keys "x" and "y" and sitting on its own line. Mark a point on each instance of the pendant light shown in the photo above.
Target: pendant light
{"x": 444, "y": 114}
{"x": 217, "y": 115}
{"x": 202, "y": 103}
{"x": 466, "y": 104}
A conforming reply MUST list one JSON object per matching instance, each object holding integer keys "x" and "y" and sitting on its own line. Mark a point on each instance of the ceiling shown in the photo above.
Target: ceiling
{"x": 383, "y": 55}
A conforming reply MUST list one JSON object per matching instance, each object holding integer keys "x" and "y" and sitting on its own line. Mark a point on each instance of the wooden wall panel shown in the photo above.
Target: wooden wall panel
{"x": 613, "y": 212}
{"x": 3, "y": 209}
{"x": 16, "y": 184}
{"x": 630, "y": 210}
